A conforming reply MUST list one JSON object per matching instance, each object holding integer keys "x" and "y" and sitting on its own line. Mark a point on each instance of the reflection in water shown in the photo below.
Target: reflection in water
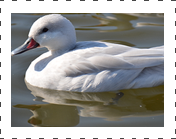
{"x": 111, "y": 22}
{"x": 52, "y": 115}
{"x": 119, "y": 22}
{"x": 62, "y": 109}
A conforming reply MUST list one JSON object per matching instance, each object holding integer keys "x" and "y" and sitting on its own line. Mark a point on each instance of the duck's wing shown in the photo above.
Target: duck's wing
{"x": 113, "y": 57}
{"x": 142, "y": 58}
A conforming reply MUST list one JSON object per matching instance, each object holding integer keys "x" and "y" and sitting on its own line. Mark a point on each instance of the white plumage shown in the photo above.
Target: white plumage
{"x": 89, "y": 66}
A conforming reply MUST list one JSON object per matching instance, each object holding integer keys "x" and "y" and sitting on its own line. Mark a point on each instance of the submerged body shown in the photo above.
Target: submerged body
{"x": 88, "y": 66}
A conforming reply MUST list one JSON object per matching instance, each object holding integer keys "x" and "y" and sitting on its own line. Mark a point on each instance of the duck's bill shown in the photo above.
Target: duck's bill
{"x": 29, "y": 44}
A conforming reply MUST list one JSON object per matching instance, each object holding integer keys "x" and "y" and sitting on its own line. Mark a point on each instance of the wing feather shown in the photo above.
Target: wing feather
{"x": 107, "y": 56}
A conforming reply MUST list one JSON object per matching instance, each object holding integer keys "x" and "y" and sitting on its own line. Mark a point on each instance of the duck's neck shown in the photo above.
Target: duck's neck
{"x": 58, "y": 52}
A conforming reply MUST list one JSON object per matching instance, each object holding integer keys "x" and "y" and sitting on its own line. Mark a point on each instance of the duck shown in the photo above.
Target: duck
{"x": 87, "y": 66}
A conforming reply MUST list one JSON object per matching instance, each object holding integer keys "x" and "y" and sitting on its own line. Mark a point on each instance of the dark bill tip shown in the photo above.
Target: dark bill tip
{"x": 29, "y": 44}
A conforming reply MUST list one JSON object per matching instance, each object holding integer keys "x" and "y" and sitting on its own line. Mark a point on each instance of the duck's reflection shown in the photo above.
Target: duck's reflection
{"x": 65, "y": 108}
{"x": 52, "y": 115}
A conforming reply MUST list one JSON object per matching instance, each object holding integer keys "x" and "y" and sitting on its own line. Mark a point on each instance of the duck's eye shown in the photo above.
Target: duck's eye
{"x": 45, "y": 30}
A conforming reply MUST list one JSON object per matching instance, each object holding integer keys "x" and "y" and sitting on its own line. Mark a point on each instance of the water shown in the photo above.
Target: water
{"x": 33, "y": 106}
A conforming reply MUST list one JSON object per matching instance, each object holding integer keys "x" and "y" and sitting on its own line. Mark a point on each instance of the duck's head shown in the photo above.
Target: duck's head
{"x": 53, "y": 31}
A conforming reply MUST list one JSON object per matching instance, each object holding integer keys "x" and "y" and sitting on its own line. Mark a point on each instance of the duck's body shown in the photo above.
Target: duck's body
{"x": 92, "y": 66}
{"x": 97, "y": 67}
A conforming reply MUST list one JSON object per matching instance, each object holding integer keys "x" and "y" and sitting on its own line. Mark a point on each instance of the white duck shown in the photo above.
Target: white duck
{"x": 87, "y": 66}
